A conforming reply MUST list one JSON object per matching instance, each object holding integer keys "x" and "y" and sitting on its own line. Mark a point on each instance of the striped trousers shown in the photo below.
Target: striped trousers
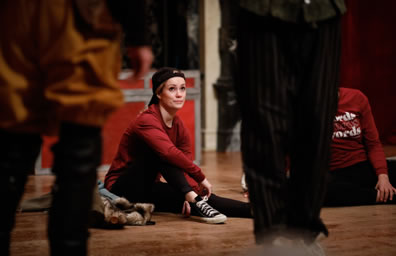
{"x": 287, "y": 85}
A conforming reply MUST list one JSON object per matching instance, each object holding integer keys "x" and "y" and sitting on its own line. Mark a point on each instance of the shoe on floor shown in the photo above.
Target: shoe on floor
{"x": 203, "y": 212}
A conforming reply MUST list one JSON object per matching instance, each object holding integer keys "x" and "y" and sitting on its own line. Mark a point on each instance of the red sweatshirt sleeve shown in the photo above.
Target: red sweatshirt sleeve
{"x": 184, "y": 144}
{"x": 184, "y": 141}
{"x": 371, "y": 140}
{"x": 150, "y": 129}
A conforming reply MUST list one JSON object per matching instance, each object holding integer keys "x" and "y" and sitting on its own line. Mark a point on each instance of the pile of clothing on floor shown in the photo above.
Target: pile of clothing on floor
{"x": 108, "y": 210}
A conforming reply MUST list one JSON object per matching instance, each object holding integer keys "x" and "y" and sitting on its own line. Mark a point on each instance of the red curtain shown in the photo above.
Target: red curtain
{"x": 368, "y": 59}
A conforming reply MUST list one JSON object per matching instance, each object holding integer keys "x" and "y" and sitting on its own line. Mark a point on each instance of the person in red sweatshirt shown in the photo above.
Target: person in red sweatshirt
{"x": 158, "y": 144}
{"x": 359, "y": 173}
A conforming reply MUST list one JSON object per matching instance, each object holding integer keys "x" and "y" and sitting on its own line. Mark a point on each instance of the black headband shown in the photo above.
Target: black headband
{"x": 162, "y": 75}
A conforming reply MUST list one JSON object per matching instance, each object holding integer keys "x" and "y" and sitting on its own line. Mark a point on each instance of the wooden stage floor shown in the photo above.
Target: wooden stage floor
{"x": 363, "y": 230}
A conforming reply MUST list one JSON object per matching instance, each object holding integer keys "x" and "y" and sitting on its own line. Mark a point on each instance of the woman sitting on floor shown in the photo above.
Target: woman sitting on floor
{"x": 359, "y": 172}
{"x": 157, "y": 143}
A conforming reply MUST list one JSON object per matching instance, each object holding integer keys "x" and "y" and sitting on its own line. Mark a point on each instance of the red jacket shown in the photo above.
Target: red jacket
{"x": 355, "y": 136}
{"x": 147, "y": 135}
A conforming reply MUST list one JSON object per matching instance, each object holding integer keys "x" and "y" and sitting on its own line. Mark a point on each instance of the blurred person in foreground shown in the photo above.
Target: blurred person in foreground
{"x": 59, "y": 62}
{"x": 288, "y": 56}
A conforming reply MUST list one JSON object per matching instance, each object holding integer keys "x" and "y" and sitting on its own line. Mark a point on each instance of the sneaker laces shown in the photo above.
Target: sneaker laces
{"x": 206, "y": 208}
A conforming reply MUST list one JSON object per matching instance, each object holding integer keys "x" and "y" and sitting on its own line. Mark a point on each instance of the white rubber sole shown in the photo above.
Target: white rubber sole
{"x": 221, "y": 218}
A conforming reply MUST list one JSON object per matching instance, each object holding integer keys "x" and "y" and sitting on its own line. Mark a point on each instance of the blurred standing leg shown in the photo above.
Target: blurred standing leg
{"x": 18, "y": 156}
{"x": 76, "y": 158}
{"x": 287, "y": 92}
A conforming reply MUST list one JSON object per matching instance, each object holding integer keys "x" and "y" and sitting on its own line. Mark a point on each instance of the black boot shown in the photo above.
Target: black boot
{"x": 76, "y": 158}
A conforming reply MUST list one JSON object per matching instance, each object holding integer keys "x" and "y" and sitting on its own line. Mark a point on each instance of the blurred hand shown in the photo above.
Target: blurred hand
{"x": 141, "y": 60}
{"x": 385, "y": 190}
{"x": 206, "y": 188}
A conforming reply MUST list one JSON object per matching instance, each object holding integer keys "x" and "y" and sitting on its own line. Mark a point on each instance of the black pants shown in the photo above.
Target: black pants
{"x": 137, "y": 184}
{"x": 287, "y": 92}
{"x": 77, "y": 154}
{"x": 355, "y": 185}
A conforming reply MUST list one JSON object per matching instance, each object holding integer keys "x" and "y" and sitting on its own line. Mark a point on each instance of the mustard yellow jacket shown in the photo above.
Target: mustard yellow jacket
{"x": 55, "y": 67}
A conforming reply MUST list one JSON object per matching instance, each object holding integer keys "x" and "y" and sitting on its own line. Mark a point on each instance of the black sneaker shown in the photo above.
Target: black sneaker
{"x": 203, "y": 212}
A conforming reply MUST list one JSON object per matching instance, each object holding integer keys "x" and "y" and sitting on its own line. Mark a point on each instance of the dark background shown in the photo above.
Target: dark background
{"x": 368, "y": 59}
